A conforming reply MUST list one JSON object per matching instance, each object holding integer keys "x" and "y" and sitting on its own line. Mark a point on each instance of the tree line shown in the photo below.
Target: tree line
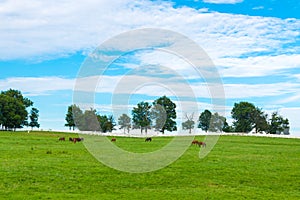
{"x": 160, "y": 115}
{"x": 14, "y": 111}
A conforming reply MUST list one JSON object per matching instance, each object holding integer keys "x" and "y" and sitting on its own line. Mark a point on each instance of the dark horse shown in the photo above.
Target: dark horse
{"x": 113, "y": 139}
{"x": 148, "y": 139}
{"x": 61, "y": 139}
{"x": 195, "y": 142}
{"x": 199, "y": 143}
{"x": 76, "y": 139}
{"x": 202, "y": 144}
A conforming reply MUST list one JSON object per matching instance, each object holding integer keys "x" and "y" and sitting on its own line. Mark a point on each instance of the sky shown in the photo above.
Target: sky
{"x": 253, "y": 44}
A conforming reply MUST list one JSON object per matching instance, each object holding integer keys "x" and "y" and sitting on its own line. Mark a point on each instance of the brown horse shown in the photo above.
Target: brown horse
{"x": 62, "y": 139}
{"x": 195, "y": 142}
{"x": 113, "y": 139}
{"x": 199, "y": 143}
{"x": 77, "y": 139}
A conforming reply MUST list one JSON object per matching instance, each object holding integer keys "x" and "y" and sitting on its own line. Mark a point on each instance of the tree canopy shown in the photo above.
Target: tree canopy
{"x": 217, "y": 123}
{"x": 164, "y": 114}
{"x": 124, "y": 122}
{"x": 204, "y": 120}
{"x": 88, "y": 120}
{"x": 161, "y": 116}
{"x": 189, "y": 124}
{"x": 34, "y": 116}
{"x": 278, "y": 124}
{"x": 13, "y": 110}
{"x": 141, "y": 116}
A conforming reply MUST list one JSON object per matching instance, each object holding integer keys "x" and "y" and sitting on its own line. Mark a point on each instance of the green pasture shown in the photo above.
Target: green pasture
{"x": 36, "y": 165}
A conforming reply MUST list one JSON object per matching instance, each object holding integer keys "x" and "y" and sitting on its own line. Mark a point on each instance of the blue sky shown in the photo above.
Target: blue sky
{"x": 255, "y": 45}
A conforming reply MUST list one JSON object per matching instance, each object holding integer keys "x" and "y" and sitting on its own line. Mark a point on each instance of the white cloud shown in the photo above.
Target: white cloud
{"x": 258, "y": 8}
{"x": 257, "y": 66}
{"x": 55, "y": 28}
{"x": 146, "y": 85}
{"x": 33, "y": 86}
{"x": 223, "y": 1}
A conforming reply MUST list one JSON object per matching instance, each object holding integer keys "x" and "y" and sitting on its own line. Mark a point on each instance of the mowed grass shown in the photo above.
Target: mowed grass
{"x": 38, "y": 166}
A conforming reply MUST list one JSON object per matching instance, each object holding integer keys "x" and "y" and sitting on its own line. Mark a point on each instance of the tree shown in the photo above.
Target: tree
{"x": 204, "y": 120}
{"x": 13, "y": 109}
{"x": 34, "y": 116}
{"x": 74, "y": 117}
{"x": 286, "y": 126}
{"x": 242, "y": 113}
{"x": 260, "y": 120}
{"x": 217, "y": 123}
{"x": 16, "y": 94}
{"x": 227, "y": 128}
{"x": 107, "y": 123}
{"x": 69, "y": 117}
{"x": 278, "y": 124}
{"x": 124, "y": 122}
{"x": 164, "y": 114}
{"x": 189, "y": 124}
{"x": 141, "y": 116}
{"x": 88, "y": 121}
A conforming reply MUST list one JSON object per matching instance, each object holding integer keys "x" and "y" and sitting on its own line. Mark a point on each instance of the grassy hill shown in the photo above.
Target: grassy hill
{"x": 38, "y": 166}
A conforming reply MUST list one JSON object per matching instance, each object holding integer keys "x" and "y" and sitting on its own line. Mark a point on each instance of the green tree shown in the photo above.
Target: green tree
{"x": 227, "y": 128}
{"x": 107, "y": 123}
{"x": 164, "y": 114}
{"x": 204, "y": 120}
{"x": 278, "y": 124}
{"x": 72, "y": 110}
{"x": 242, "y": 113}
{"x": 189, "y": 124}
{"x": 260, "y": 120}
{"x": 87, "y": 121}
{"x": 141, "y": 116}
{"x": 16, "y": 94}
{"x": 217, "y": 123}
{"x": 13, "y": 109}
{"x": 124, "y": 122}
{"x": 34, "y": 116}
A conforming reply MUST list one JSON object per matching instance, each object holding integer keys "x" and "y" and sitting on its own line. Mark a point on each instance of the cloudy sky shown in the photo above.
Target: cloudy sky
{"x": 254, "y": 46}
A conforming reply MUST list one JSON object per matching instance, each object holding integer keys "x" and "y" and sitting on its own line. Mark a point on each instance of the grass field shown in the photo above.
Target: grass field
{"x": 38, "y": 166}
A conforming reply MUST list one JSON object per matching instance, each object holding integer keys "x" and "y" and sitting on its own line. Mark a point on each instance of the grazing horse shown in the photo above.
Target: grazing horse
{"x": 202, "y": 144}
{"x": 61, "y": 139}
{"x": 113, "y": 139}
{"x": 195, "y": 142}
{"x": 77, "y": 139}
{"x": 148, "y": 139}
{"x": 71, "y": 139}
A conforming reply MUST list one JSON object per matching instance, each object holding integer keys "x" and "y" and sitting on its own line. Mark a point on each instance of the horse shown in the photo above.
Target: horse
{"x": 199, "y": 143}
{"x": 71, "y": 139}
{"x": 195, "y": 142}
{"x": 61, "y": 139}
{"x": 113, "y": 139}
{"x": 77, "y": 139}
{"x": 202, "y": 144}
{"x": 148, "y": 139}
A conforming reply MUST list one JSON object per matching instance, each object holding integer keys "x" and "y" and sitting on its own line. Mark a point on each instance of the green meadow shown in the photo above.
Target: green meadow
{"x": 36, "y": 165}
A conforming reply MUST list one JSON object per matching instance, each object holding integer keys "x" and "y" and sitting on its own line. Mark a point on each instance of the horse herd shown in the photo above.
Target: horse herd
{"x": 71, "y": 139}
{"x": 148, "y": 139}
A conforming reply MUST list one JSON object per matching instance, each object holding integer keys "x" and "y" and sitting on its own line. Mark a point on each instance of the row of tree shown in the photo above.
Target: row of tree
{"x": 14, "y": 111}
{"x": 161, "y": 116}
{"x": 246, "y": 118}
